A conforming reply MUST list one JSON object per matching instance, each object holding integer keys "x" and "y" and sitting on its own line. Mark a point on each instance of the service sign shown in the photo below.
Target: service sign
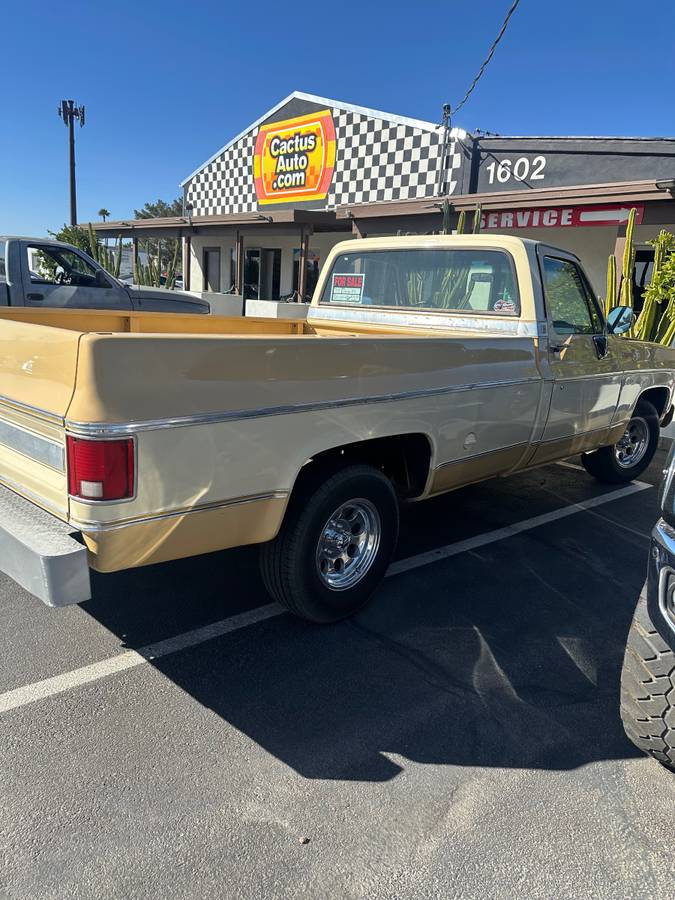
{"x": 561, "y": 216}
{"x": 294, "y": 160}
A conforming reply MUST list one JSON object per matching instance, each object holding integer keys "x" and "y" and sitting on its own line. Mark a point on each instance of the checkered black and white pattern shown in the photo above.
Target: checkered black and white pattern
{"x": 225, "y": 185}
{"x": 376, "y": 160}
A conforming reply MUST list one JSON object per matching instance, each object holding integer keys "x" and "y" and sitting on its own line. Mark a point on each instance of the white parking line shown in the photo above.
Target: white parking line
{"x": 39, "y": 690}
{"x": 499, "y": 534}
{"x": 131, "y": 658}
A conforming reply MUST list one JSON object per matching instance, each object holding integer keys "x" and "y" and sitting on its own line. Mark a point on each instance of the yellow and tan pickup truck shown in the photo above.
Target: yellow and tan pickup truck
{"x": 426, "y": 363}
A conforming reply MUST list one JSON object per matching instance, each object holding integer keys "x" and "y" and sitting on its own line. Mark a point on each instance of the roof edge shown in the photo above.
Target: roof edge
{"x": 314, "y": 98}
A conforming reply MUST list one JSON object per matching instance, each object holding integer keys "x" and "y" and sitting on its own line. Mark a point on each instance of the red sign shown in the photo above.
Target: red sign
{"x": 347, "y": 288}
{"x": 560, "y": 217}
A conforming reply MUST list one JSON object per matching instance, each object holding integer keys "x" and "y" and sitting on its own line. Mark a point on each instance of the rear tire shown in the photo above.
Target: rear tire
{"x": 628, "y": 458}
{"x": 334, "y": 546}
{"x": 648, "y": 689}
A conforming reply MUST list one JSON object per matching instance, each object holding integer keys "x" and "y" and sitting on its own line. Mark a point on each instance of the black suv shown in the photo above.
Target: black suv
{"x": 648, "y": 676}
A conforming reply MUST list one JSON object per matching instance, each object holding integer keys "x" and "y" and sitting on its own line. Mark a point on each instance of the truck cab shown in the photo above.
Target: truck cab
{"x": 46, "y": 273}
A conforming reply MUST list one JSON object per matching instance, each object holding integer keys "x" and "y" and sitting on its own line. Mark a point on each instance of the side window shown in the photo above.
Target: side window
{"x": 571, "y": 308}
{"x": 42, "y": 265}
{"x": 3, "y": 271}
{"x": 52, "y": 265}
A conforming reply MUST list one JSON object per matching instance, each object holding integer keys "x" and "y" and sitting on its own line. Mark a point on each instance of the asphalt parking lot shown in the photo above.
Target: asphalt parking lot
{"x": 459, "y": 738}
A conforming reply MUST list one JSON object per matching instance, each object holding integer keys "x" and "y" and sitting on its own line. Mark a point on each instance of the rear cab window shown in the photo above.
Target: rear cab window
{"x": 452, "y": 280}
{"x": 3, "y": 257}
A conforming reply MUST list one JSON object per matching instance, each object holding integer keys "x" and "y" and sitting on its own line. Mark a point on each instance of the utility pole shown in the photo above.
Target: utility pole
{"x": 69, "y": 112}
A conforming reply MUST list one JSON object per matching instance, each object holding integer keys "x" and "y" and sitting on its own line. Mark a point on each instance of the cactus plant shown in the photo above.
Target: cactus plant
{"x": 477, "y": 215}
{"x": 110, "y": 261}
{"x": 610, "y": 295}
{"x": 657, "y": 319}
{"x": 628, "y": 267}
{"x": 150, "y": 273}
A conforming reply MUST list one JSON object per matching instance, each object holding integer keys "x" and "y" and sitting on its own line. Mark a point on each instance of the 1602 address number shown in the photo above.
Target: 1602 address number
{"x": 521, "y": 169}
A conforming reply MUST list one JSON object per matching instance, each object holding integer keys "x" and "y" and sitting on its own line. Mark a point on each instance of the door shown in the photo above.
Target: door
{"x": 582, "y": 359}
{"x": 60, "y": 276}
{"x": 211, "y": 269}
{"x": 252, "y": 274}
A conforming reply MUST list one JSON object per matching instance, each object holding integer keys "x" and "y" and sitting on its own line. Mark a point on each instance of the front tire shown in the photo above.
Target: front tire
{"x": 648, "y": 689}
{"x": 629, "y": 457}
{"x": 334, "y": 546}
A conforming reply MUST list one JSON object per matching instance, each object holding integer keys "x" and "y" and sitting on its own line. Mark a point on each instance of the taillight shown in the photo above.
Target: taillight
{"x": 100, "y": 470}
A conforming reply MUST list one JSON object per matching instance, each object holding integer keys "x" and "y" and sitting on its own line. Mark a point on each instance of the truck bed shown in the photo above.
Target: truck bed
{"x": 103, "y": 321}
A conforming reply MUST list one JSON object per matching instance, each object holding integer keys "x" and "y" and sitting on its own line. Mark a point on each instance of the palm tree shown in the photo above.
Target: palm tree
{"x": 103, "y": 212}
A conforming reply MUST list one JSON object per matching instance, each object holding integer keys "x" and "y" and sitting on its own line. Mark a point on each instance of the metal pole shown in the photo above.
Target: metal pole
{"x": 69, "y": 112}
{"x": 134, "y": 260}
{"x": 71, "y": 142}
{"x": 305, "y": 232}
{"x": 187, "y": 252}
{"x": 241, "y": 274}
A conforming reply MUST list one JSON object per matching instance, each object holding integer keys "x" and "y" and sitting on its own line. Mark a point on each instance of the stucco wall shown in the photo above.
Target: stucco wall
{"x": 198, "y": 243}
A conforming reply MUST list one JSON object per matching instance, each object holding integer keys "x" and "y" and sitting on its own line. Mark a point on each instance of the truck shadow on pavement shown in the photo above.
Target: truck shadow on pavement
{"x": 508, "y": 656}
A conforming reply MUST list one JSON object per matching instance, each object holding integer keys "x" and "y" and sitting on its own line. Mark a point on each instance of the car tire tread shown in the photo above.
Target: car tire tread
{"x": 648, "y": 689}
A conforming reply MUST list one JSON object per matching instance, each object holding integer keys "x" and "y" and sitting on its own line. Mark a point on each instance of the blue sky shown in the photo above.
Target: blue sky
{"x": 166, "y": 84}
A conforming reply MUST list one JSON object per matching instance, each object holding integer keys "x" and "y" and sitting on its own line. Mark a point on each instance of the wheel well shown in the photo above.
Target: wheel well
{"x": 658, "y": 397}
{"x": 404, "y": 458}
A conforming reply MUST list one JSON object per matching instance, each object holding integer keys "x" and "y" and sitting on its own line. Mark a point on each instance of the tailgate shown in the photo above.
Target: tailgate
{"x": 37, "y": 377}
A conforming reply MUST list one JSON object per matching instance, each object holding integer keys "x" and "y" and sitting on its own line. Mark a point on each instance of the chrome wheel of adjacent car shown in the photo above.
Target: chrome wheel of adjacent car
{"x": 633, "y": 445}
{"x": 348, "y": 544}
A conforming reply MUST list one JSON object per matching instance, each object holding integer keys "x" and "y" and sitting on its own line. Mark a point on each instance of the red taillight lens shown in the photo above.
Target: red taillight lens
{"x": 100, "y": 470}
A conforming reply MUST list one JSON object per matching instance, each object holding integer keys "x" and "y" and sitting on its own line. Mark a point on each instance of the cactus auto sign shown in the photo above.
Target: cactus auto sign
{"x": 293, "y": 160}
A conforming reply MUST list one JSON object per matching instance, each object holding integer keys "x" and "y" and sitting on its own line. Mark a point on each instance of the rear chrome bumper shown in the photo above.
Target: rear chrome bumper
{"x": 40, "y": 552}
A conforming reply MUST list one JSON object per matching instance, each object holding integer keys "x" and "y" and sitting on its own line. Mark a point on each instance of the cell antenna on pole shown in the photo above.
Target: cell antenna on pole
{"x": 68, "y": 111}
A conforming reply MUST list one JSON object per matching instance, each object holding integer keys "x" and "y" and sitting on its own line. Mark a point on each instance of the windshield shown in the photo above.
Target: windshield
{"x": 481, "y": 281}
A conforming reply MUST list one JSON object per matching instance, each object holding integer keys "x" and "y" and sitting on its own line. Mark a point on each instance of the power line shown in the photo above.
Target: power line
{"x": 487, "y": 59}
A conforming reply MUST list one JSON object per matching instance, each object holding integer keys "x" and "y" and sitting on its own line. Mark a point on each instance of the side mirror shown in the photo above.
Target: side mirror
{"x": 620, "y": 319}
{"x": 101, "y": 280}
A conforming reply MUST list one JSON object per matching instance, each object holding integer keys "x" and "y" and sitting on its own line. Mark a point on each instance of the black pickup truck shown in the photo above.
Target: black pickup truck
{"x": 648, "y": 676}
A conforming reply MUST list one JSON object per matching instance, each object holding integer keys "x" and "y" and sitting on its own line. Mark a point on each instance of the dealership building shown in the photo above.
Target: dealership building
{"x": 262, "y": 213}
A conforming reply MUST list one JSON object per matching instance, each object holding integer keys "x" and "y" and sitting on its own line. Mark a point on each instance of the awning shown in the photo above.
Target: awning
{"x": 181, "y": 226}
{"x": 625, "y": 192}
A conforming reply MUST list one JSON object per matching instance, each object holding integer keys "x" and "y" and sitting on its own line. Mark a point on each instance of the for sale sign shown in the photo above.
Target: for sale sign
{"x": 560, "y": 217}
{"x": 347, "y": 288}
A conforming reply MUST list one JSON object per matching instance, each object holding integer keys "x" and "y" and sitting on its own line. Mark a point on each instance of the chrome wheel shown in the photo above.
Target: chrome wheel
{"x": 348, "y": 544}
{"x": 633, "y": 445}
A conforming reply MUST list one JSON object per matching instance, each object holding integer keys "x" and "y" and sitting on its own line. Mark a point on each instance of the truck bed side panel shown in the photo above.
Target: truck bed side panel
{"x": 37, "y": 377}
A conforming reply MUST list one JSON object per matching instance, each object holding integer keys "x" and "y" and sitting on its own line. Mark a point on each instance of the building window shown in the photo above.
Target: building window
{"x": 642, "y": 275}
{"x": 262, "y": 273}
